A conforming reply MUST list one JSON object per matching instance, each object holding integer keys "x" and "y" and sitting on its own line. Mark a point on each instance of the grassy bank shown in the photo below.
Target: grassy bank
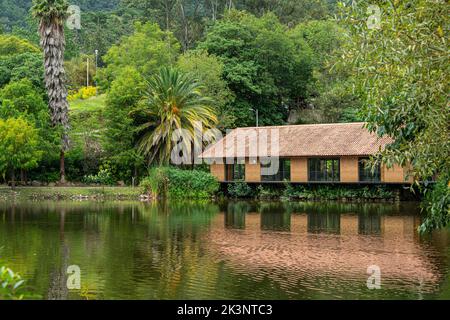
{"x": 92, "y": 104}
{"x": 70, "y": 193}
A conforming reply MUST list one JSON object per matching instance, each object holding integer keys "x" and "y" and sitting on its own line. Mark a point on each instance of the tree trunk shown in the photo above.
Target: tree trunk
{"x": 53, "y": 44}
{"x": 230, "y": 5}
{"x": 62, "y": 168}
{"x": 22, "y": 176}
{"x": 185, "y": 41}
{"x": 13, "y": 179}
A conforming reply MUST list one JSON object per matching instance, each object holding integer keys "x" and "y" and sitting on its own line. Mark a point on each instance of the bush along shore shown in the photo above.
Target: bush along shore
{"x": 169, "y": 182}
{"x": 289, "y": 191}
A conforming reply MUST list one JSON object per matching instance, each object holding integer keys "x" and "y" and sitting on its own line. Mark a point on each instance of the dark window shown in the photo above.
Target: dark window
{"x": 323, "y": 170}
{"x": 366, "y": 174}
{"x": 283, "y": 174}
{"x": 235, "y": 172}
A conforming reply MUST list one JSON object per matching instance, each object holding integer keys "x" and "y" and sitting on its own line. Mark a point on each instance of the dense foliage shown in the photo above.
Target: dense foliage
{"x": 19, "y": 149}
{"x": 266, "y": 67}
{"x": 437, "y": 205}
{"x": 176, "y": 183}
{"x": 12, "y": 286}
{"x": 309, "y": 193}
{"x": 401, "y": 73}
{"x": 135, "y": 51}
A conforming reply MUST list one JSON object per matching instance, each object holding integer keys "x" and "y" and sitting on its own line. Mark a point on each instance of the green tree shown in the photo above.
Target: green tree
{"x": 146, "y": 50}
{"x": 51, "y": 15}
{"x": 123, "y": 97}
{"x": 400, "y": 59}
{"x": 330, "y": 98}
{"x": 10, "y": 45}
{"x": 208, "y": 69}
{"x": 20, "y": 66}
{"x": 173, "y": 101}
{"x": 19, "y": 146}
{"x": 19, "y": 59}
{"x": 22, "y": 99}
{"x": 265, "y": 68}
{"x": 100, "y": 30}
{"x": 289, "y": 11}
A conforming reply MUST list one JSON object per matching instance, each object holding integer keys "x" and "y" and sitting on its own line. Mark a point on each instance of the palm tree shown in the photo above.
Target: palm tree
{"x": 173, "y": 101}
{"x": 51, "y": 15}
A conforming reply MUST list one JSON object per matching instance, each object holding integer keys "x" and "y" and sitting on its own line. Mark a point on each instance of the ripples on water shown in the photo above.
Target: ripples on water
{"x": 235, "y": 250}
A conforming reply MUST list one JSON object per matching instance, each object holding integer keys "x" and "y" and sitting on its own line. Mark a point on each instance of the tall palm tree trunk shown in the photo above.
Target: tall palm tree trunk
{"x": 52, "y": 14}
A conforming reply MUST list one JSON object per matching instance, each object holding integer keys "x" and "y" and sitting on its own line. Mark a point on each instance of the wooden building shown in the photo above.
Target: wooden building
{"x": 319, "y": 153}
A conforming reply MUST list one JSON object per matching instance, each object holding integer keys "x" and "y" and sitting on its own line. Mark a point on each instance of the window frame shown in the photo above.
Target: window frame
{"x": 230, "y": 172}
{"x": 366, "y": 175}
{"x": 283, "y": 174}
{"x": 322, "y": 173}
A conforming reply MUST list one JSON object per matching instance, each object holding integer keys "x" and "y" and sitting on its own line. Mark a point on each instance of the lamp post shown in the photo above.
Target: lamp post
{"x": 257, "y": 116}
{"x": 96, "y": 65}
{"x": 87, "y": 72}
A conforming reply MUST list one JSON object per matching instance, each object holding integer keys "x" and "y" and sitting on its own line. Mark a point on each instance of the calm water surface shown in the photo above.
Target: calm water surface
{"x": 229, "y": 250}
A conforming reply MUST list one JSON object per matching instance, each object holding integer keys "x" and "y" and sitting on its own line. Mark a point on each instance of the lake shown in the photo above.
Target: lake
{"x": 225, "y": 250}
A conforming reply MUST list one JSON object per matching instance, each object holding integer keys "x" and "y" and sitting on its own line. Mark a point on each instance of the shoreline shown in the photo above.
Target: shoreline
{"x": 119, "y": 193}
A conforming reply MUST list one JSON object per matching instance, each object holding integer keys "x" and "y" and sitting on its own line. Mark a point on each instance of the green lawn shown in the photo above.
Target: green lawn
{"x": 67, "y": 193}
{"x": 92, "y": 104}
{"x": 87, "y": 121}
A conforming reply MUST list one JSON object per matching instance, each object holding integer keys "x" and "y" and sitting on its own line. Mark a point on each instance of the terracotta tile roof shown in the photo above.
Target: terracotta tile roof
{"x": 336, "y": 139}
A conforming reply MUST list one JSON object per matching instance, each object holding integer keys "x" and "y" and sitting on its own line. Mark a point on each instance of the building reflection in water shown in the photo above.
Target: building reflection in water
{"x": 235, "y": 215}
{"x": 322, "y": 241}
{"x": 279, "y": 217}
{"x": 369, "y": 224}
{"x": 275, "y": 217}
{"x": 324, "y": 222}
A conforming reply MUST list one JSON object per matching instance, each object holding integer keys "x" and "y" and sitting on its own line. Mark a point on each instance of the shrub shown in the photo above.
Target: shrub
{"x": 268, "y": 192}
{"x": 103, "y": 177}
{"x": 176, "y": 183}
{"x": 336, "y": 193}
{"x": 12, "y": 286}
{"x": 83, "y": 94}
{"x": 437, "y": 205}
{"x": 240, "y": 189}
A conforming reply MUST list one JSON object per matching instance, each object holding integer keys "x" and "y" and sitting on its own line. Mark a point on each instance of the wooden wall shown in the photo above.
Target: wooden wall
{"x": 396, "y": 174}
{"x": 252, "y": 171}
{"x": 299, "y": 170}
{"x": 349, "y": 169}
{"x": 218, "y": 171}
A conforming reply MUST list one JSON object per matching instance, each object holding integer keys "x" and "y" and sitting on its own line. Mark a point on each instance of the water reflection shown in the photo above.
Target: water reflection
{"x": 235, "y": 215}
{"x": 275, "y": 217}
{"x": 369, "y": 224}
{"x": 234, "y": 250}
{"x": 333, "y": 241}
{"x": 327, "y": 222}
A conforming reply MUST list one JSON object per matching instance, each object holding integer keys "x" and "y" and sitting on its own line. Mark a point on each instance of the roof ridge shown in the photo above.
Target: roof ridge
{"x": 305, "y": 125}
